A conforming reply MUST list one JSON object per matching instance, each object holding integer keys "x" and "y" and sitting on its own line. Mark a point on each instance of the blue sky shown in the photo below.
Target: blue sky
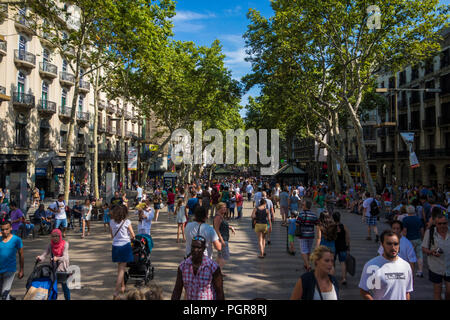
{"x": 204, "y": 21}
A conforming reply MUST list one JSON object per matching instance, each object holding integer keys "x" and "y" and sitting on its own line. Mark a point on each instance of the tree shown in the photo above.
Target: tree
{"x": 84, "y": 31}
{"x": 333, "y": 55}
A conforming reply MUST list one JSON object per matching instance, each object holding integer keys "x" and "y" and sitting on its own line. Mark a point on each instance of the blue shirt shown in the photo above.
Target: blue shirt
{"x": 8, "y": 252}
{"x": 413, "y": 225}
{"x": 292, "y": 226}
{"x": 191, "y": 204}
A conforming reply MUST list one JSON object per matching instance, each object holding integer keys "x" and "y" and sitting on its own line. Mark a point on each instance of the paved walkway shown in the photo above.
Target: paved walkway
{"x": 248, "y": 277}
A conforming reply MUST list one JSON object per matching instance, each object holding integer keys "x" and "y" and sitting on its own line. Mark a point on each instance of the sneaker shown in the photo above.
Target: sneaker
{"x": 419, "y": 274}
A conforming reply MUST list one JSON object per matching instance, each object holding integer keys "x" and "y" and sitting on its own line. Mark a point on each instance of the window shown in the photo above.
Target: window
{"x": 64, "y": 66}
{"x": 45, "y": 56}
{"x": 63, "y": 139}
{"x": 44, "y": 135}
{"x": 63, "y": 98}
{"x": 22, "y": 44}
{"x": 21, "y": 131}
{"x": 80, "y": 103}
{"x": 21, "y": 83}
{"x": 44, "y": 94}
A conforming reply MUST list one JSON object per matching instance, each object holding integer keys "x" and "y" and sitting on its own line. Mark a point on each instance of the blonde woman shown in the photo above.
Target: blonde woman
{"x": 223, "y": 231}
{"x": 318, "y": 284}
{"x": 263, "y": 224}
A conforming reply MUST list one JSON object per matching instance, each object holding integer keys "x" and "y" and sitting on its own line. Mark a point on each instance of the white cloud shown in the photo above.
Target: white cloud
{"x": 235, "y": 39}
{"x": 234, "y": 12}
{"x": 190, "y": 16}
{"x": 236, "y": 57}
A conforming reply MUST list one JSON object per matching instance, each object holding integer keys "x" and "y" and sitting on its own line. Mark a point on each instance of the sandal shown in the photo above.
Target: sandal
{"x": 261, "y": 257}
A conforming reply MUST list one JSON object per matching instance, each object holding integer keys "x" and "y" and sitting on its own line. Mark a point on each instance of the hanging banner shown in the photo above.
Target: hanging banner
{"x": 132, "y": 158}
{"x": 408, "y": 138}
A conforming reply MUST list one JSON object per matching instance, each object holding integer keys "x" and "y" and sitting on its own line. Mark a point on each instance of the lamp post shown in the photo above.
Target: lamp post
{"x": 395, "y": 124}
{"x": 91, "y": 148}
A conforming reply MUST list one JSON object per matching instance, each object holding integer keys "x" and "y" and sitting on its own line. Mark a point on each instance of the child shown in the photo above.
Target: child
{"x": 146, "y": 216}
{"x": 182, "y": 217}
{"x": 232, "y": 204}
{"x": 291, "y": 232}
{"x": 106, "y": 217}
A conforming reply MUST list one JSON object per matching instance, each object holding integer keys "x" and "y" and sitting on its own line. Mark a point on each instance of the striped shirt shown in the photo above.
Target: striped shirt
{"x": 199, "y": 286}
{"x": 307, "y": 220}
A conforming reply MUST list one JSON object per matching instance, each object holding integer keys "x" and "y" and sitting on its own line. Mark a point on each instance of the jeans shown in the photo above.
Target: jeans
{"x": 6, "y": 281}
{"x": 239, "y": 210}
{"x": 65, "y": 290}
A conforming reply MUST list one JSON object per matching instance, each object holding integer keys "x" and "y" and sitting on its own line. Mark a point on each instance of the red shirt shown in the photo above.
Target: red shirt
{"x": 171, "y": 198}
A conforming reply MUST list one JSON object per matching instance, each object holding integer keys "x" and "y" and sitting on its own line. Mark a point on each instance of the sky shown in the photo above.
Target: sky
{"x": 203, "y": 21}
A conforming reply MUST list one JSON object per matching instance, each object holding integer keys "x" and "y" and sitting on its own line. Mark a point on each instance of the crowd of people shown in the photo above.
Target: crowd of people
{"x": 203, "y": 213}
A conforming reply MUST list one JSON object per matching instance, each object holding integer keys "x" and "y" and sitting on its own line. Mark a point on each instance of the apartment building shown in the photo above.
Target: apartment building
{"x": 424, "y": 113}
{"x": 36, "y": 91}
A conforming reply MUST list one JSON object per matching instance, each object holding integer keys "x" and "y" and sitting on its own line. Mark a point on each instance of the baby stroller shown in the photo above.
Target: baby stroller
{"x": 141, "y": 268}
{"x": 42, "y": 283}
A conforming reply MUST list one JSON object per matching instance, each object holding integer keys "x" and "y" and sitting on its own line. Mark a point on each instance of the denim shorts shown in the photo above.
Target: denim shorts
{"x": 61, "y": 222}
{"x": 437, "y": 278}
{"x": 122, "y": 253}
{"x": 341, "y": 255}
{"x": 171, "y": 207}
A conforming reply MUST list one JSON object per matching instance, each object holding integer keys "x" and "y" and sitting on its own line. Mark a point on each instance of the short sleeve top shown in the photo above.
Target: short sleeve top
{"x": 122, "y": 237}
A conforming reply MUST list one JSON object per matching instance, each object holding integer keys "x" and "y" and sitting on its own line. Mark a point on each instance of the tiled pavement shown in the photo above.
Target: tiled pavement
{"x": 247, "y": 276}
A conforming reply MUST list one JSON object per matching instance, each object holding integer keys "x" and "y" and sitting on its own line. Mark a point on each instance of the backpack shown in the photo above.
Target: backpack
{"x": 374, "y": 209}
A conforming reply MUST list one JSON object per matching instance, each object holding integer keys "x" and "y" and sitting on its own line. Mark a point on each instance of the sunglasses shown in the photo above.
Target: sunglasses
{"x": 199, "y": 238}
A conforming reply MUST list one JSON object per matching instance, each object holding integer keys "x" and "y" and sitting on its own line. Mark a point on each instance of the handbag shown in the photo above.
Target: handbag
{"x": 350, "y": 264}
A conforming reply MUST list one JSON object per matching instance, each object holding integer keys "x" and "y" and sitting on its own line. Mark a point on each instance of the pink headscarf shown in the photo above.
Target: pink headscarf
{"x": 58, "y": 248}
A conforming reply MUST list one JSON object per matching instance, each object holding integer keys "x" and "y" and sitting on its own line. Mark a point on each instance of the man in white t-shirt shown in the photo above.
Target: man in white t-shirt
{"x": 59, "y": 209}
{"x": 139, "y": 193}
{"x": 301, "y": 191}
{"x": 257, "y": 198}
{"x": 406, "y": 251}
{"x": 145, "y": 219}
{"x": 371, "y": 220}
{"x": 387, "y": 277}
{"x": 199, "y": 227}
{"x": 249, "y": 191}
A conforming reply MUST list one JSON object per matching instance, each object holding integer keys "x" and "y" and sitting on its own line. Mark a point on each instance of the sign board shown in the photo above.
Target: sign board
{"x": 110, "y": 185}
{"x": 153, "y": 147}
{"x": 41, "y": 172}
{"x": 132, "y": 158}
{"x": 408, "y": 138}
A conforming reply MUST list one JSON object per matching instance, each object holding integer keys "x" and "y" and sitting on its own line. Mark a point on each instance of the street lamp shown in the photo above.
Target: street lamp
{"x": 395, "y": 124}
{"x": 91, "y": 148}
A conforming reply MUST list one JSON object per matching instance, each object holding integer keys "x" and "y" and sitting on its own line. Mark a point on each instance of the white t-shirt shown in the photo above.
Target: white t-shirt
{"x": 139, "y": 192}
{"x": 406, "y": 252}
{"x": 122, "y": 237}
{"x": 206, "y": 231}
{"x": 301, "y": 191}
{"x": 366, "y": 204}
{"x": 61, "y": 214}
{"x": 145, "y": 225}
{"x": 257, "y": 198}
{"x": 249, "y": 188}
{"x": 387, "y": 280}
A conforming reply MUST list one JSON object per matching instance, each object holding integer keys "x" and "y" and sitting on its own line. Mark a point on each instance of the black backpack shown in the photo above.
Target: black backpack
{"x": 374, "y": 209}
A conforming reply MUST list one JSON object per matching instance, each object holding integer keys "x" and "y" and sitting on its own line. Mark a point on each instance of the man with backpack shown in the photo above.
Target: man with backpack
{"x": 436, "y": 245}
{"x": 371, "y": 210}
{"x": 59, "y": 209}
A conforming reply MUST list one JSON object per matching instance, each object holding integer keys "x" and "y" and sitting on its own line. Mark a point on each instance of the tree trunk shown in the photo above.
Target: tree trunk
{"x": 70, "y": 138}
{"x": 95, "y": 140}
{"x": 334, "y": 173}
{"x": 122, "y": 151}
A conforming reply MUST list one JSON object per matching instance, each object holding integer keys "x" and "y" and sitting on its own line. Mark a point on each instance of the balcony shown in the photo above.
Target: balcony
{"x": 433, "y": 153}
{"x": 444, "y": 121}
{"x": 3, "y": 48}
{"x": 128, "y": 115}
{"x": 3, "y": 96}
{"x": 24, "y": 24}
{"x": 24, "y": 59}
{"x": 83, "y": 117}
{"x": 119, "y": 111}
{"x": 22, "y": 143}
{"x": 128, "y": 134}
{"x": 46, "y": 107}
{"x": 47, "y": 38}
{"x": 109, "y": 130}
{"x": 429, "y": 123}
{"x": 110, "y": 108}
{"x": 101, "y": 128}
{"x": 101, "y": 105}
{"x": 65, "y": 113}
{"x": 48, "y": 70}
{"x": 23, "y": 101}
{"x": 3, "y": 10}
{"x": 66, "y": 79}
{"x": 81, "y": 148}
{"x": 84, "y": 87}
